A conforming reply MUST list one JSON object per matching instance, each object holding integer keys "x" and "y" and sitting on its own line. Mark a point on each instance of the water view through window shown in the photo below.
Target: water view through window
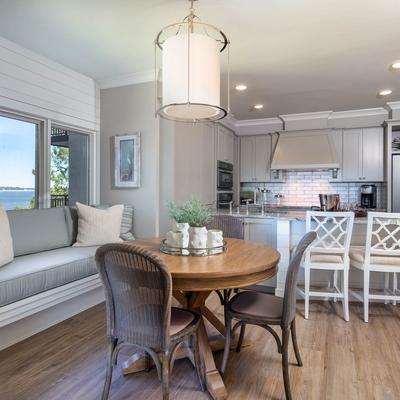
{"x": 17, "y": 163}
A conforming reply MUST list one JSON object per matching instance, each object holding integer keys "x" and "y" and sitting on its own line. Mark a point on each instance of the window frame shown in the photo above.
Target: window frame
{"x": 39, "y": 147}
{"x": 43, "y": 157}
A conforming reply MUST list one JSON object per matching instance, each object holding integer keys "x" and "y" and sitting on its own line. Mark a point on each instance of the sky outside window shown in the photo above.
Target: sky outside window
{"x": 17, "y": 153}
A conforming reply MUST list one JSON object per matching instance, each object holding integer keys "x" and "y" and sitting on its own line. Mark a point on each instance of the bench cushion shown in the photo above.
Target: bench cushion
{"x": 38, "y": 230}
{"x": 35, "y": 273}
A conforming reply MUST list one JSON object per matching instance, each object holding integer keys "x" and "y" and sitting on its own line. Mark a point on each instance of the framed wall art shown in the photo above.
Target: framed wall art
{"x": 127, "y": 161}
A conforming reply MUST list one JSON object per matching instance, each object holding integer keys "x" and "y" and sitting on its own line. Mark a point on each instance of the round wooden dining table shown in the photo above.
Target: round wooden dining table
{"x": 243, "y": 263}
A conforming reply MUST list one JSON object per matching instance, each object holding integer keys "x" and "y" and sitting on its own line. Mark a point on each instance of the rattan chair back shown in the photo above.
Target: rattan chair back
{"x": 138, "y": 290}
{"x": 232, "y": 227}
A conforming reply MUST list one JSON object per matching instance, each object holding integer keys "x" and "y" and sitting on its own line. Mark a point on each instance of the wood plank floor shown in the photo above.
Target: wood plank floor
{"x": 342, "y": 361}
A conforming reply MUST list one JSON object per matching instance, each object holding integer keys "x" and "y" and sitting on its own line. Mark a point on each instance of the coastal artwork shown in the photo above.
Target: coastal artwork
{"x": 127, "y": 161}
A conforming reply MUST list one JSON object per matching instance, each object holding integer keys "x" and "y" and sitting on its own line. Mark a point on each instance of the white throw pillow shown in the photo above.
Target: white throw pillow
{"x": 6, "y": 243}
{"x": 97, "y": 227}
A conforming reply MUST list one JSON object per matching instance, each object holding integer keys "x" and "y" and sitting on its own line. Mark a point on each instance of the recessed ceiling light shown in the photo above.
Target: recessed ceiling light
{"x": 385, "y": 92}
{"x": 258, "y": 106}
{"x": 240, "y": 87}
{"x": 395, "y": 66}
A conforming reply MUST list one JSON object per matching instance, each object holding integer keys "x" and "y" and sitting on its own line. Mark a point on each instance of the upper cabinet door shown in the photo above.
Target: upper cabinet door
{"x": 372, "y": 149}
{"x": 352, "y": 155}
{"x": 247, "y": 156}
{"x": 262, "y": 158}
{"x": 225, "y": 145}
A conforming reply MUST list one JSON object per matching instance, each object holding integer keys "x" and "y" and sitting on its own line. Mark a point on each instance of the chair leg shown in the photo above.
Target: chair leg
{"x": 387, "y": 278}
{"x": 241, "y": 336}
{"x": 306, "y": 292}
{"x": 165, "y": 375}
{"x": 109, "y": 369}
{"x": 285, "y": 362}
{"x": 227, "y": 344}
{"x": 197, "y": 361}
{"x": 295, "y": 345}
{"x": 335, "y": 282}
{"x": 394, "y": 286}
{"x": 366, "y": 294}
{"x": 345, "y": 290}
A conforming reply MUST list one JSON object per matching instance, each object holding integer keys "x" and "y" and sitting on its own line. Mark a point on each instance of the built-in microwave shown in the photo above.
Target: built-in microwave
{"x": 223, "y": 199}
{"x": 225, "y": 176}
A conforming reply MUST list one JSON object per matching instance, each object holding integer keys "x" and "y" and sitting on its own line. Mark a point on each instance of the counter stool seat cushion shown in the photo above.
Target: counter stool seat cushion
{"x": 357, "y": 255}
{"x": 257, "y": 304}
{"x": 326, "y": 258}
{"x": 180, "y": 319}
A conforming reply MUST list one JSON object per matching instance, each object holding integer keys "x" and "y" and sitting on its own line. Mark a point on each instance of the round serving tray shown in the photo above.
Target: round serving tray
{"x": 189, "y": 251}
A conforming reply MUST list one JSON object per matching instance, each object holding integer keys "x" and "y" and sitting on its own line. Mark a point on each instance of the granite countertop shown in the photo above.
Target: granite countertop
{"x": 290, "y": 214}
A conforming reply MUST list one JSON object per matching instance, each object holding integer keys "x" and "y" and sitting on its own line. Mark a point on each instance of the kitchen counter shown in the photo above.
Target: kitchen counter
{"x": 287, "y": 215}
{"x": 281, "y": 215}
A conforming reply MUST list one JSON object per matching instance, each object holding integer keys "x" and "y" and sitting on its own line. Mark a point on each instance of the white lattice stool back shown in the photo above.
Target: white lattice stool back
{"x": 329, "y": 251}
{"x": 381, "y": 254}
{"x": 333, "y": 231}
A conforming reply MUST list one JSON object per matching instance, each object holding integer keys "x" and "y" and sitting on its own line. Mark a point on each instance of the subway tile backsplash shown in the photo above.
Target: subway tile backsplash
{"x": 302, "y": 188}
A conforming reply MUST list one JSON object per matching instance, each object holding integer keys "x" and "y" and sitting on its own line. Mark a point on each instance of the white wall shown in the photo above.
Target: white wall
{"x": 124, "y": 110}
{"x": 35, "y": 85}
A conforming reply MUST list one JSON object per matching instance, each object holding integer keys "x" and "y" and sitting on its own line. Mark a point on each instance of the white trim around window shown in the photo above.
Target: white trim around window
{"x": 43, "y": 143}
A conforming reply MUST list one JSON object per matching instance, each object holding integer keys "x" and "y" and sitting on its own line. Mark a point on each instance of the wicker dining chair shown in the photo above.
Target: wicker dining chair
{"x": 262, "y": 309}
{"x": 231, "y": 227}
{"x": 138, "y": 292}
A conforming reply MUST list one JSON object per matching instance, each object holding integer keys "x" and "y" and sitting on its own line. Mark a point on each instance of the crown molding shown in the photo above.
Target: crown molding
{"x": 258, "y": 122}
{"x": 393, "y": 105}
{"x": 229, "y": 122}
{"x": 366, "y": 112}
{"x": 128, "y": 79}
{"x": 305, "y": 116}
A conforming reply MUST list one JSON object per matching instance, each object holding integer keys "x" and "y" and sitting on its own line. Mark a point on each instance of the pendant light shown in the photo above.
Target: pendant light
{"x": 191, "y": 70}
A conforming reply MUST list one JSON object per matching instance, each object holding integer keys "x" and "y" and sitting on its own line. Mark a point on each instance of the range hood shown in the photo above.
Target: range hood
{"x": 305, "y": 150}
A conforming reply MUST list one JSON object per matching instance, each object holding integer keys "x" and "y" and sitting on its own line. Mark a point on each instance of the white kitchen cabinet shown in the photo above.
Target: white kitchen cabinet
{"x": 247, "y": 153}
{"x": 255, "y": 159}
{"x": 260, "y": 230}
{"x": 373, "y": 160}
{"x": 225, "y": 145}
{"x": 262, "y": 158}
{"x": 362, "y": 157}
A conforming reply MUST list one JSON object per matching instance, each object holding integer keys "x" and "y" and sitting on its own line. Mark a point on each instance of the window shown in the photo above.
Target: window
{"x": 37, "y": 170}
{"x": 69, "y": 167}
{"x": 18, "y": 163}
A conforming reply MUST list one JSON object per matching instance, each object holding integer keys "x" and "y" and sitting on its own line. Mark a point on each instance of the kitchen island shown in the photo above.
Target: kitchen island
{"x": 283, "y": 229}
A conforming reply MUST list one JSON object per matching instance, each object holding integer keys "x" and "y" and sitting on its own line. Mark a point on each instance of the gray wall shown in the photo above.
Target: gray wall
{"x": 125, "y": 110}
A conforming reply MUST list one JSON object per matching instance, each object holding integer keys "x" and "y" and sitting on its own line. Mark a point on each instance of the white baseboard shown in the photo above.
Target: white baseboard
{"x": 25, "y": 318}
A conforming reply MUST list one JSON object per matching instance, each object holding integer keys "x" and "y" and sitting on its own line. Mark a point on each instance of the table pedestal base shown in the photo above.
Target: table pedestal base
{"x": 214, "y": 383}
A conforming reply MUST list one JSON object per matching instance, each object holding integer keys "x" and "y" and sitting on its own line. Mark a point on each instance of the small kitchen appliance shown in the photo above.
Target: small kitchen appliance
{"x": 224, "y": 176}
{"x": 368, "y": 196}
{"x": 329, "y": 202}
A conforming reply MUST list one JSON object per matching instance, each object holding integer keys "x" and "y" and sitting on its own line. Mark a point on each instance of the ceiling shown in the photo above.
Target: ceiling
{"x": 294, "y": 55}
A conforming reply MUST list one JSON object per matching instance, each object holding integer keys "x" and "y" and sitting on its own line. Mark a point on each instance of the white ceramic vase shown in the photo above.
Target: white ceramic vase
{"x": 184, "y": 228}
{"x": 198, "y": 237}
{"x": 214, "y": 238}
{"x": 175, "y": 239}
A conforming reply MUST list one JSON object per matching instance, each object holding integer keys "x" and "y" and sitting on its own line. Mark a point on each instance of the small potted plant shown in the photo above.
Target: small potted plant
{"x": 198, "y": 216}
{"x": 180, "y": 224}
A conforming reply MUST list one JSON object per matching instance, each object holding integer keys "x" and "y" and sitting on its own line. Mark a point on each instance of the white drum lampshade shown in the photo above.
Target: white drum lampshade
{"x": 191, "y": 84}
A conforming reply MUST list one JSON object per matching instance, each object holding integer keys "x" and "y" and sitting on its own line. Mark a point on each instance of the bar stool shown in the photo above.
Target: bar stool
{"x": 329, "y": 252}
{"x": 380, "y": 254}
